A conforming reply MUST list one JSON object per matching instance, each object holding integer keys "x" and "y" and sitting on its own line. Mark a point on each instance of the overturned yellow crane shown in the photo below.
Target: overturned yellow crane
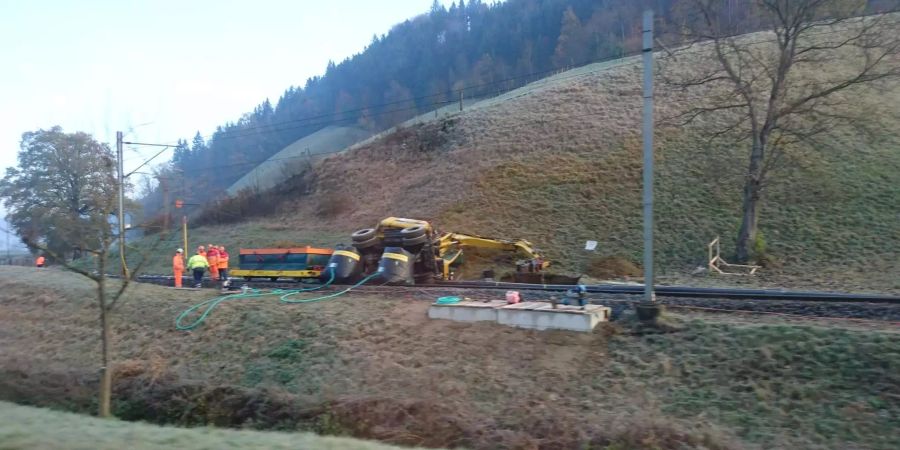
{"x": 409, "y": 251}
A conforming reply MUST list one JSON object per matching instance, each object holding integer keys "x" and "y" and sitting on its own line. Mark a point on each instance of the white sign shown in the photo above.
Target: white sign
{"x": 590, "y": 246}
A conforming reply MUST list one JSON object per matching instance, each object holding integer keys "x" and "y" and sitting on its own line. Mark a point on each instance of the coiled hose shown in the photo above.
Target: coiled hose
{"x": 255, "y": 293}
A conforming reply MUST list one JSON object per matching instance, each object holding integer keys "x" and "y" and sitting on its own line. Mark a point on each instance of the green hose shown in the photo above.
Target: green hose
{"x": 254, "y": 293}
{"x": 448, "y": 300}
{"x": 284, "y": 298}
{"x": 212, "y": 303}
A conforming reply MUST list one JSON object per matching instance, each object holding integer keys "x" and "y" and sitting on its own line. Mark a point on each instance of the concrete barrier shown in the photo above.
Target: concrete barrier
{"x": 466, "y": 311}
{"x": 533, "y": 315}
{"x": 542, "y": 316}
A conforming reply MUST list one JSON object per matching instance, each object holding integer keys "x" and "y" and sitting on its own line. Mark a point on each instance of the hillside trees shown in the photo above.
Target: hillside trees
{"x": 779, "y": 96}
{"x": 571, "y": 46}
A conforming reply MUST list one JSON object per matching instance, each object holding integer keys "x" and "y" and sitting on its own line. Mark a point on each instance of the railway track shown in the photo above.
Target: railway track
{"x": 625, "y": 289}
{"x": 621, "y": 297}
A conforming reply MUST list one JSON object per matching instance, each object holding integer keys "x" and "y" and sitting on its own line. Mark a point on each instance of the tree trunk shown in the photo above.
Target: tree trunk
{"x": 750, "y": 206}
{"x": 105, "y": 372}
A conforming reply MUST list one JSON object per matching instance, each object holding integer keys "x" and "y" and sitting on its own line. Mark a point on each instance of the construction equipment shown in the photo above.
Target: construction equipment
{"x": 718, "y": 265}
{"x": 410, "y": 251}
{"x": 299, "y": 263}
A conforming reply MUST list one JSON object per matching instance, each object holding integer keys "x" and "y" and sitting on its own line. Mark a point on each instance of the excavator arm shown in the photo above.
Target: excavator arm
{"x": 450, "y": 247}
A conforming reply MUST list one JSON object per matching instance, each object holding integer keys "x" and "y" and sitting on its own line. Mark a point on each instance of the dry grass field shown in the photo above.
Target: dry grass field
{"x": 377, "y": 368}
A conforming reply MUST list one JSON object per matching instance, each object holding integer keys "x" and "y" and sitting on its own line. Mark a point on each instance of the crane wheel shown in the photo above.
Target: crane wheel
{"x": 411, "y": 241}
{"x": 363, "y": 235}
{"x": 412, "y": 232}
{"x": 366, "y": 244}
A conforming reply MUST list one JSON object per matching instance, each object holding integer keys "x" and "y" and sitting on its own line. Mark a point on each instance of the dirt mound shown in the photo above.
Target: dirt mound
{"x": 613, "y": 267}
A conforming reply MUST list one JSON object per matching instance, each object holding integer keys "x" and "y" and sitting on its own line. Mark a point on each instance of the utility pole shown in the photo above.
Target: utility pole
{"x": 121, "y": 176}
{"x": 647, "y": 52}
{"x": 119, "y": 143}
{"x": 183, "y": 216}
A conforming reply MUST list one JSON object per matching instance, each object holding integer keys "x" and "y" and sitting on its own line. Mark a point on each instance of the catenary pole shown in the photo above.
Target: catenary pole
{"x": 647, "y": 52}
{"x": 121, "y": 176}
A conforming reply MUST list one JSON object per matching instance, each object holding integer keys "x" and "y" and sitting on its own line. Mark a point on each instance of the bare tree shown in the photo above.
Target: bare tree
{"x": 64, "y": 195}
{"x": 780, "y": 91}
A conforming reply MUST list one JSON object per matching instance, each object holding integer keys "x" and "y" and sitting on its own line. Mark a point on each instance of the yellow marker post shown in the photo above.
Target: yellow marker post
{"x": 184, "y": 236}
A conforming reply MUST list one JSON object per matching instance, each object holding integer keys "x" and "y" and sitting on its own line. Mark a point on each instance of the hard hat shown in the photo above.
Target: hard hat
{"x": 179, "y": 251}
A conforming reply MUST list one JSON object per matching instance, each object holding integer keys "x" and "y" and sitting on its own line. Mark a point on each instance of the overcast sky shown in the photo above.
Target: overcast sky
{"x": 163, "y": 69}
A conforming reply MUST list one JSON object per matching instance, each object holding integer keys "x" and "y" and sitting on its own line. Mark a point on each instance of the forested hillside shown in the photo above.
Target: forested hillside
{"x": 471, "y": 49}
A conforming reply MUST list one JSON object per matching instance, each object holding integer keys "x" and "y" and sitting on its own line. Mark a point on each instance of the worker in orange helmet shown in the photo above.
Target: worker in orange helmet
{"x": 39, "y": 262}
{"x": 223, "y": 263}
{"x": 178, "y": 266}
{"x": 212, "y": 256}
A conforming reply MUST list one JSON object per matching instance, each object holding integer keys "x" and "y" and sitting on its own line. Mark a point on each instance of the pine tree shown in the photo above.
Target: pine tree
{"x": 198, "y": 146}
{"x": 436, "y": 7}
{"x": 182, "y": 153}
{"x": 571, "y": 46}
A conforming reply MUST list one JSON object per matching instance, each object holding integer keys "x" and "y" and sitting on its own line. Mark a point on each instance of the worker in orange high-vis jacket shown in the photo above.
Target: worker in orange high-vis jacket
{"x": 178, "y": 266}
{"x": 212, "y": 256}
{"x": 223, "y": 263}
{"x": 39, "y": 262}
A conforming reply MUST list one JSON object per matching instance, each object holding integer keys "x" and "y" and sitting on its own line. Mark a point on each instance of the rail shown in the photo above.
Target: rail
{"x": 664, "y": 291}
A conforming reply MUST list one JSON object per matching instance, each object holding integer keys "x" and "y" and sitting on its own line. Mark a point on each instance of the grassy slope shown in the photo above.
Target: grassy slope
{"x": 291, "y": 159}
{"x": 377, "y": 368}
{"x": 516, "y": 169}
{"x": 23, "y": 427}
{"x": 559, "y": 162}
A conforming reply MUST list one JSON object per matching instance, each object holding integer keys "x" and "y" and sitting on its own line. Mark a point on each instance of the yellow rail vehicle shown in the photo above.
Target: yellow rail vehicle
{"x": 410, "y": 251}
{"x": 299, "y": 263}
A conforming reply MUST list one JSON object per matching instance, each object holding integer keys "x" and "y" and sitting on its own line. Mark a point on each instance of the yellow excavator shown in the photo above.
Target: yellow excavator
{"x": 409, "y": 251}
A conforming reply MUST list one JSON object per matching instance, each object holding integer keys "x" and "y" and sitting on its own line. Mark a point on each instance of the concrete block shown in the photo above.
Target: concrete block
{"x": 542, "y": 316}
{"x": 466, "y": 311}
